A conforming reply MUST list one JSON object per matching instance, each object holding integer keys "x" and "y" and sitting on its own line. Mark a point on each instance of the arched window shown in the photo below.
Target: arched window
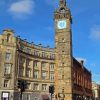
{"x": 3, "y": 41}
{"x": 62, "y": 10}
{"x": 8, "y": 37}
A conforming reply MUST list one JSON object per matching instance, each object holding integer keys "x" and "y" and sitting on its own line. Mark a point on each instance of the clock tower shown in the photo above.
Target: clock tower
{"x": 63, "y": 45}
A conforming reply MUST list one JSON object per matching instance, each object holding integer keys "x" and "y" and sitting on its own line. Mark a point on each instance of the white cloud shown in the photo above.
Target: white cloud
{"x": 21, "y": 8}
{"x": 95, "y": 32}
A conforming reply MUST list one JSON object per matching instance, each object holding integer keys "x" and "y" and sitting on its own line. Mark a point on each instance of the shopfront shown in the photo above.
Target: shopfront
{"x": 5, "y": 96}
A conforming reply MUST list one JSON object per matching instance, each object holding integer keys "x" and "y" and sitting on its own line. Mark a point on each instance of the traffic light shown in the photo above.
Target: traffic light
{"x": 22, "y": 85}
{"x": 19, "y": 84}
{"x": 51, "y": 89}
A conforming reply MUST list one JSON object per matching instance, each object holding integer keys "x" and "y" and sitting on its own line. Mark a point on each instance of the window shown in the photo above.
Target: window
{"x": 63, "y": 51}
{"x": 22, "y": 47}
{"x": 36, "y": 53}
{"x": 28, "y": 50}
{"x": 28, "y": 96}
{"x": 43, "y": 64}
{"x": 28, "y": 85}
{"x": 21, "y": 70}
{"x": 36, "y": 74}
{"x": 3, "y": 41}
{"x": 35, "y": 63}
{"x": 21, "y": 60}
{"x": 51, "y": 76}
{"x": 52, "y": 56}
{"x": 43, "y": 54}
{"x": 28, "y": 62}
{"x": 28, "y": 73}
{"x": 63, "y": 40}
{"x": 44, "y": 87}
{"x": 62, "y": 76}
{"x": 8, "y": 37}
{"x": 44, "y": 75}
{"x": 6, "y": 83}
{"x": 8, "y": 56}
{"x": 52, "y": 66}
{"x": 7, "y": 69}
{"x": 62, "y": 10}
{"x": 36, "y": 86}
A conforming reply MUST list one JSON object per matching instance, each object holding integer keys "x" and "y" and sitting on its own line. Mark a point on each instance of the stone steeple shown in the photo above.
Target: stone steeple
{"x": 63, "y": 60}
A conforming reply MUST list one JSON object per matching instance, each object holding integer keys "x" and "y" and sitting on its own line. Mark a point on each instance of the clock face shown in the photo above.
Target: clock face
{"x": 61, "y": 24}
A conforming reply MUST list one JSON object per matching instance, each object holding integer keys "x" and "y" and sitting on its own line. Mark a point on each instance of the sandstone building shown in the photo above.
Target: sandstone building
{"x": 42, "y": 66}
{"x": 96, "y": 91}
{"x": 22, "y": 60}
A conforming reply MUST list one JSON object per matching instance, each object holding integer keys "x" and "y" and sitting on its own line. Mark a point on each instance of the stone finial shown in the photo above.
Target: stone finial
{"x": 62, "y": 2}
{"x": 82, "y": 62}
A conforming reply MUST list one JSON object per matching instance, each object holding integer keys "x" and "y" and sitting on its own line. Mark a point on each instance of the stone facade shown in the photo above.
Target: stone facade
{"x": 42, "y": 66}
{"x": 7, "y": 76}
{"x": 82, "y": 87}
{"x": 25, "y": 61}
{"x": 96, "y": 91}
{"x": 63, "y": 61}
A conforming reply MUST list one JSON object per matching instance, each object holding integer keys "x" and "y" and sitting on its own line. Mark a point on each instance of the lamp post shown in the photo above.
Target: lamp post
{"x": 61, "y": 95}
{"x": 20, "y": 93}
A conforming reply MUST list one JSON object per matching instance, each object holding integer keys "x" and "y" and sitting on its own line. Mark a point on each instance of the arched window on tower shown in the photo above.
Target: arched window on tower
{"x": 3, "y": 41}
{"x": 8, "y": 37}
{"x": 62, "y": 10}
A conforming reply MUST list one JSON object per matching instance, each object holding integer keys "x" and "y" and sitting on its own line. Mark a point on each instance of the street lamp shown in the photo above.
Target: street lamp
{"x": 61, "y": 95}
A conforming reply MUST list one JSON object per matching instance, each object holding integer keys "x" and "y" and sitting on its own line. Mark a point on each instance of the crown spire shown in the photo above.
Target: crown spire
{"x": 62, "y": 2}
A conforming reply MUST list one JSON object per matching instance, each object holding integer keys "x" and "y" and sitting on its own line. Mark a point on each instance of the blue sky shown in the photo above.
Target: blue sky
{"x": 33, "y": 20}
